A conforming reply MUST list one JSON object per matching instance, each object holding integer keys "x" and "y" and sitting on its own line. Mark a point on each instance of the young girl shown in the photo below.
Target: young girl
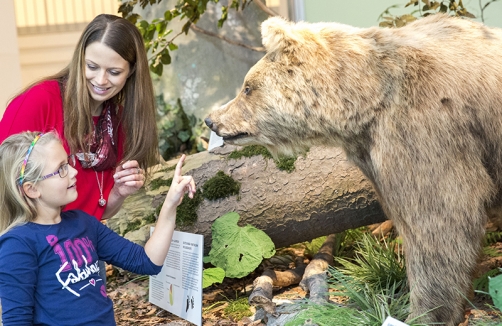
{"x": 49, "y": 273}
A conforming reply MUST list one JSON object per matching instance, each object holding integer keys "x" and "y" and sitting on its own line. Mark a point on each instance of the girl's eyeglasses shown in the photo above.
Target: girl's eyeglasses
{"x": 63, "y": 169}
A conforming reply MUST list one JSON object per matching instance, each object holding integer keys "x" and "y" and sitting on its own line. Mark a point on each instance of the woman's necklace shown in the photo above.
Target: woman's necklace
{"x": 101, "y": 201}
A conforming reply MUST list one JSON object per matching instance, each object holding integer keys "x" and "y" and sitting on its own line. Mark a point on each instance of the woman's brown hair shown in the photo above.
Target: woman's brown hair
{"x": 138, "y": 117}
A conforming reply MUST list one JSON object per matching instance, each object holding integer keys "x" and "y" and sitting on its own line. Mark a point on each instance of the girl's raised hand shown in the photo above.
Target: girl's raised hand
{"x": 181, "y": 184}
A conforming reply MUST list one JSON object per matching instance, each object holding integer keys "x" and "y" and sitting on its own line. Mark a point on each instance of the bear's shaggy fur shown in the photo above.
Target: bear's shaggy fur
{"x": 418, "y": 109}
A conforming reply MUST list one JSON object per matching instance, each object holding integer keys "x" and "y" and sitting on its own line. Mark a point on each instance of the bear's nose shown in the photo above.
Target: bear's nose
{"x": 208, "y": 122}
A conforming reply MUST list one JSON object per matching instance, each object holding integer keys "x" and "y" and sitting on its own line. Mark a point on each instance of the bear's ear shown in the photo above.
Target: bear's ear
{"x": 277, "y": 33}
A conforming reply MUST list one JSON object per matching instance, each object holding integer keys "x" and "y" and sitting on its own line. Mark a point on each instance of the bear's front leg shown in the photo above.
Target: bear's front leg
{"x": 441, "y": 257}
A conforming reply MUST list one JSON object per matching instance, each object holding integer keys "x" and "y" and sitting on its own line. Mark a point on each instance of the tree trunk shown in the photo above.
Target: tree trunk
{"x": 325, "y": 194}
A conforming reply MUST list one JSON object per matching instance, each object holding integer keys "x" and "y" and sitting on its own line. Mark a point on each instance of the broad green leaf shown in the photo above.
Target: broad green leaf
{"x": 165, "y": 57}
{"x": 412, "y": 2}
{"x": 211, "y": 276}
{"x": 495, "y": 290}
{"x": 408, "y": 18}
{"x": 157, "y": 68}
{"x": 400, "y": 23}
{"x": 133, "y": 18}
{"x": 186, "y": 27}
{"x": 161, "y": 27}
{"x": 468, "y": 14}
{"x": 166, "y": 32}
{"x": 175, "y": 13}
{"x": 184, "y": 135}
{"x": 150, "y": 33}
{"x": 143, "y": 25}
{"x": 201, "y": 6}
{"x": 224, "y": 16}
{"x": 386, "y": 24}
{"x": 238, "y": 250}
{"x": 168, "y": 15}
{"x": 172, "y": 47}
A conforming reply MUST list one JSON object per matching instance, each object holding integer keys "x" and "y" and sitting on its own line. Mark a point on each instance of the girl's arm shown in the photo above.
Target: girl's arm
{"x": 18, "y": 280}
{"x": 121, "y": 252}
{"x": 158, "y": 245}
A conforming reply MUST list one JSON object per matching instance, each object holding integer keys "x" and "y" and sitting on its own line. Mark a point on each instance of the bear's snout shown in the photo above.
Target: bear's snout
{"x": 209, "y": 122}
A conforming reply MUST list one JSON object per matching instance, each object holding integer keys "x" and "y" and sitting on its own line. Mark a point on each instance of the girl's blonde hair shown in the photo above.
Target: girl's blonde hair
{"x": 17, "y": 208}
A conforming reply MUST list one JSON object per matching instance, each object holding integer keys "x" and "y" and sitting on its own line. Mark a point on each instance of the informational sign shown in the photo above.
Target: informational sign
{"x": 178, "y": 287}
{"x": 393, "y": 322}
{"x": 214, "y": 141}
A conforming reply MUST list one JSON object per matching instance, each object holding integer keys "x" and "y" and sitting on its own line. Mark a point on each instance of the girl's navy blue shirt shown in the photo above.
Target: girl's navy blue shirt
{"x": 49, "y": 274}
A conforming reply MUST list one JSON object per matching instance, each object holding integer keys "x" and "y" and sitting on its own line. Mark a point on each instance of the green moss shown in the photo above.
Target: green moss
{"x": 249, "y": 151}
{"x": 132, "y": 226}
{"x": 238, "y": 309}
{"x": 149, "y": 219}
{"x": 159, "y": 182}
{"x": 169, "y": 168}
{"x": 220, "y": 186}
{"x": 152, "y": 218}
{"x": 157, "y": 210}
{"x": 286, "y": 163}
{"x": 186, "y": 213}
{"x": 283, "y": 163}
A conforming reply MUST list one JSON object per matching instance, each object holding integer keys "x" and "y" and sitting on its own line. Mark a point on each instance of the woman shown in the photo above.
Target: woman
{"x": 103, "y": 107}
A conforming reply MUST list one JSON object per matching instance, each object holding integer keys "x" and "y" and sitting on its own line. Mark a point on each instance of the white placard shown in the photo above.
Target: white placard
{"x": 178, "y": 287}
{"x": 214, "y": 141}
{"x": 393, "y": 322}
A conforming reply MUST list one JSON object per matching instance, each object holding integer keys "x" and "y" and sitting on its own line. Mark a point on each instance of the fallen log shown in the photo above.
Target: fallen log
{"x": 325, "y": 194}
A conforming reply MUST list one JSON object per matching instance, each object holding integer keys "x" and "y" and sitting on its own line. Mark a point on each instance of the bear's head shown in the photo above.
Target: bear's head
{"x": 288, "y": 101}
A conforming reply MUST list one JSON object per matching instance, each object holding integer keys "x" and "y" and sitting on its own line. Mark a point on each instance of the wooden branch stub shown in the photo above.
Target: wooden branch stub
{"x": 314, "y": 279}
{"x": 263, "y": 286}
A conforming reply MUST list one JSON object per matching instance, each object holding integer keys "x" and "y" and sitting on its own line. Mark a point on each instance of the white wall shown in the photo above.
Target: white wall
{"x": 364, "y": 13}
{"x": 49, "y": 32}
{"x": 45, "y": 54}
{"x": 10, "y": 80}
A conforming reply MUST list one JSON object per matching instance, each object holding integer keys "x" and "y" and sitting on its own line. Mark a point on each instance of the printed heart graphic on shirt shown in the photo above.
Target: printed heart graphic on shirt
{"x": 92, "y": 281}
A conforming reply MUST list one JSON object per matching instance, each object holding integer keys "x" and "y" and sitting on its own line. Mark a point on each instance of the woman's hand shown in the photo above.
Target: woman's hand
{"x": 129, "y": 178}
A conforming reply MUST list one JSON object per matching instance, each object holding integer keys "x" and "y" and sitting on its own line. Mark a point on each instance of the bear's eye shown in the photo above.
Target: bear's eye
{"x": 247, "y": 90}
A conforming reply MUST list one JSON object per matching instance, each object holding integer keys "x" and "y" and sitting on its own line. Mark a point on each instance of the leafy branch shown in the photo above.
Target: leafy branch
{"x": 155, "y": 33}
{"x": 425, "y": 8}
{"x": 483, "y": 7}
